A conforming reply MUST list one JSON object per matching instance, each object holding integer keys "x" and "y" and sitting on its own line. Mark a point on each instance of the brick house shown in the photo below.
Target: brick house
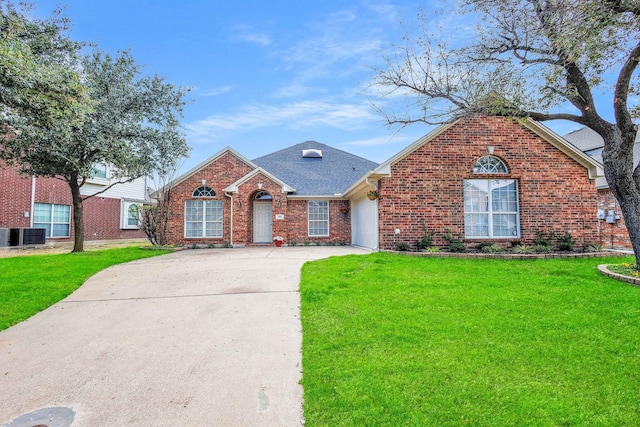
{"x": 487, "y": 178}
{"x": 30, "y": 202}
{"x": 294, "y": 193}
{"x": 611, "y": 229}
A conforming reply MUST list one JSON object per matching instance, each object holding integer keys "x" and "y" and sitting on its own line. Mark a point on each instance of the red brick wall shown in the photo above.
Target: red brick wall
{"x": 15, "y": 198}
{"x": 339, "y": 223}
{"x": 227, "y": 170}
{"x": 101, "y": 215}
{"x": 219, "y": 175}
{"x": 102, "y": 220}
{"x": 613, "y": 235}
{"x": 555, "y": 192}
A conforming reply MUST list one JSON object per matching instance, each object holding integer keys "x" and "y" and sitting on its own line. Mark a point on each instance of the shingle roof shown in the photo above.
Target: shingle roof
{"x": 332, "y": 174}
{"x": 587, "y": 139}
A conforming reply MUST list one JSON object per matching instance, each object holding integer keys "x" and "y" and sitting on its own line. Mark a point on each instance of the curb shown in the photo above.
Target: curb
{"x": 603, "y": 268}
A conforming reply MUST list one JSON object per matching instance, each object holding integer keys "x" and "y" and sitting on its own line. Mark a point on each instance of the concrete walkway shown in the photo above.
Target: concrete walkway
{"x": 195, "y": 338}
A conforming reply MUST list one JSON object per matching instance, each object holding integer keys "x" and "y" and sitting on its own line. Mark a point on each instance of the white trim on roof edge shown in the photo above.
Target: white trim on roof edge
{"x": 204, "y": 163}
{"x": 233, "y": 188}
{"x": 594, "y": 167}
{"x": 384, "y": 169}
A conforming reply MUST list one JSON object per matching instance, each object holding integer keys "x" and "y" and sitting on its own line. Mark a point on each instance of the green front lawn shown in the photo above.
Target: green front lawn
{"x": 394, "y": 340}
{"x": 29, "y": 284}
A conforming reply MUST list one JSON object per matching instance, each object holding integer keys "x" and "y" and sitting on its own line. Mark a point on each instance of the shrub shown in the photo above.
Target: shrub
{"x": 522, "y": 249}
{"x": 566, "y": 242}
{"x": 488, "y": 248}
{"x": 427, "y": 236}
{"x": 402, "y": 247}
{"x": 541, "y": 240}
{"x": 431, "y": 249}
{"x": 543, "y": 249}
{"x": 593, "y": 247}
{"x": 455, "y": 243}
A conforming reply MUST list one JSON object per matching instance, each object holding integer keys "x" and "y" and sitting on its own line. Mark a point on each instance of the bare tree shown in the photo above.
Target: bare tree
{"x": 154, "y": 218}
{"x": 529, "y": 58}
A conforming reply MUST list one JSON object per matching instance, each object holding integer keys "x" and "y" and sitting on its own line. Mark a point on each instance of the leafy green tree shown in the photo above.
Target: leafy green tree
{"x": 38, "y": 83}
{"x": 526, "y": 58}
{"x": 120, "y": 118}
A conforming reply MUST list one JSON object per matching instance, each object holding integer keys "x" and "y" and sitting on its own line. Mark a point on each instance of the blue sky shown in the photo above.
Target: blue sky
{"x": 265, "y": 75}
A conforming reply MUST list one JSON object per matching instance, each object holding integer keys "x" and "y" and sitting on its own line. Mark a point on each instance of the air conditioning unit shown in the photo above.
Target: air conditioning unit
{"x": 4, "y": 237}
{"x": 26, "y": 236}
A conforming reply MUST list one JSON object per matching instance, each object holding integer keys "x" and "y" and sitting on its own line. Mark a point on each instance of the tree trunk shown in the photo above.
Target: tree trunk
{"x": 78, "y": 222}
{"x": 624, "y": 183}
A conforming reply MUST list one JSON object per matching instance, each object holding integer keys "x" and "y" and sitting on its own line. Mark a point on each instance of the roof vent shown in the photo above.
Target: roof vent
{"x": 312, "y": 153}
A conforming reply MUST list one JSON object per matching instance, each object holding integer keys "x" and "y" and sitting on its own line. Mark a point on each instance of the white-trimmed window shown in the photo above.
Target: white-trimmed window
{"x": 204, "y": 191}
{"x": 490, "y": 164}
{"x": 56, "y": 219}
{"x": 203, "y": 218}
{"x": 318, "y": 218}
{"x": 130, "y": 215}
{"x": 99, "y": 171}
{"x": 491, "y": 208}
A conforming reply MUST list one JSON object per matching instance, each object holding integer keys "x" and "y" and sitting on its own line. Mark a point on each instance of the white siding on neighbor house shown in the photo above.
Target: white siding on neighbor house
{"x": 364, "y": 223}
{"x": 134, "y": 190}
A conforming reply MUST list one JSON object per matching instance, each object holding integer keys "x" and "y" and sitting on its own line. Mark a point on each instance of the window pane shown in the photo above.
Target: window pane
{"x": 491, "y": 208}
{"x": 46, "y": 226}
{"x": 133, "y": 213}
{"x": 203, "y": 218}
{"x": 60, "y": 230}
{"x": 318, "y": 218}
{"x": 193, "y": 229}
{"x": 490, "y": 164}
{"x": 99, "y": 171}
{"x": 42, "y": 212}
{"x": 505, "y": 225}
{"x": 503, "y": 196}
{"x": 476, "y": 225}
{"x": 61, "y": 213}
{"x": 476, "y": 195}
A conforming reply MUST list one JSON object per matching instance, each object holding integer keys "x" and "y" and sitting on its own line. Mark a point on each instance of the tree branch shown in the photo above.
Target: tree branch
{"x": 105, "y": 189}
{"x": 621, "y": 93}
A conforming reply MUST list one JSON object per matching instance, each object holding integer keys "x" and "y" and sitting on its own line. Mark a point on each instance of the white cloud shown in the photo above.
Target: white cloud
{"x": 243, "y": 33}
{"x": 339, "y": 44}
{"x": 296, "y": 115}
{"x": 217, "y": 91}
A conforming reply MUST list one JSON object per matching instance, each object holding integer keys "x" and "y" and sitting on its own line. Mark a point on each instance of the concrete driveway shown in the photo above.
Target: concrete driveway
{"x": 206, "y": 337}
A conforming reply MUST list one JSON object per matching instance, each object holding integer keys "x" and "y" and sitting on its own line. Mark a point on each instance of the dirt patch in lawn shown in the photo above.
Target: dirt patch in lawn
{"x": 67, "y": 246}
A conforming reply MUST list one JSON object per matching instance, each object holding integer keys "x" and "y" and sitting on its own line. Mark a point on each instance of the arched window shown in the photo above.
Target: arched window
{"x": 204, "y": 191}
{"x": 263, "y": 195}
{"x": 490, "y": 164}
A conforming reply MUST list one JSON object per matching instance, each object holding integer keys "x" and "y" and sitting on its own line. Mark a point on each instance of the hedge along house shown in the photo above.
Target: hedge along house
{"x": 485, "y": 178}
{"x": 295, "y": 193}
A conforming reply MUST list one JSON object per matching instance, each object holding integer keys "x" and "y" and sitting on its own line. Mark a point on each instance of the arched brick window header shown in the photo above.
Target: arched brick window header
{"x": 490, "y": 164}
{"x": 204, "y": 191}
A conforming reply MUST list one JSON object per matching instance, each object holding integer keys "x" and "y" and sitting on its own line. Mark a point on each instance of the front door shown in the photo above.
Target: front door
{"x": 262, "y": 222}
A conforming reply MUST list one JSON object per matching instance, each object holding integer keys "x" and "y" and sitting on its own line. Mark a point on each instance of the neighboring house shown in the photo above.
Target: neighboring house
{"x": 612, "y": 230}
{"x": 487, "y": 178}
{"x": 294, "y": 193}
{"x": 29, "y": 202}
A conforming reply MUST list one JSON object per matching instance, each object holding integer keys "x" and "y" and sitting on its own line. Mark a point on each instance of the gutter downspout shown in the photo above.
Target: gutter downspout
{"x": 230, "y": 196}
{"x": 375, "y": 186}
{"x": 33, "y": 200}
